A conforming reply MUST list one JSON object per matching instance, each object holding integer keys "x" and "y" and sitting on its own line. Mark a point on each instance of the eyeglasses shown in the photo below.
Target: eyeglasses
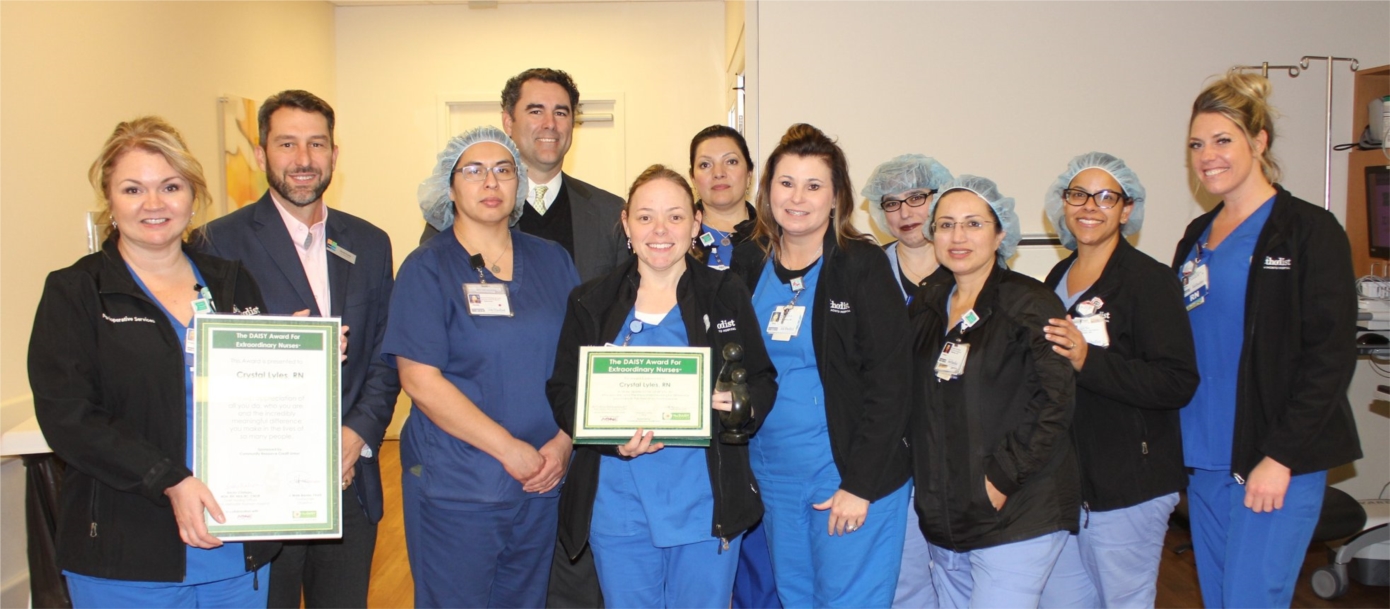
{"x": 970, "y": 226}
{"x": 1105, "y": 199}
{"x": 913, "y": 200}
{"x": 478, "y": 173}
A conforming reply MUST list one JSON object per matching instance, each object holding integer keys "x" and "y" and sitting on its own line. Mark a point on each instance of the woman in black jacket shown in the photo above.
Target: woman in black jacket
{"x": 993, "y": 463}
{"x": 113, "y": 390}
{"x": 641, "y": 505}
{"x": 722, "y": 175}
{"x": 1270, "y": 293}
{"x": 836, "y": 330}
{"x": 1127, "y": 336}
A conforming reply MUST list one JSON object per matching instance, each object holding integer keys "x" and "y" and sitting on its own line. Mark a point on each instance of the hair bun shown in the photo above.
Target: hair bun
{"x": 1250, "y": 85}
{"x": 802, "y": 132}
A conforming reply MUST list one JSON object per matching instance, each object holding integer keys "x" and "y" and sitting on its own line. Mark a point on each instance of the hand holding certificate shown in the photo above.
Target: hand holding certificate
{"x": 664, "y": 390}
{"x": 266, "y": 416}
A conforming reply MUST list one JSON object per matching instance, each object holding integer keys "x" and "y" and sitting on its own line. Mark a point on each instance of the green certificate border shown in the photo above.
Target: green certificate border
{"x": 702, "y": 427}
{"x": 330, "y": 329}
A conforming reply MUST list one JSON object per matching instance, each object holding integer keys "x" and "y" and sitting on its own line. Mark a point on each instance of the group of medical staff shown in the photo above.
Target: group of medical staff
{"x": 929, "y": 428}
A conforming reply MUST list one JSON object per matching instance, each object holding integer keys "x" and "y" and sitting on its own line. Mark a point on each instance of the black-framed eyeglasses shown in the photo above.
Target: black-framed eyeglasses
{"x": 478, "y": 173}
{"x": 1105, "y": 199}
{"x": 913, "y": 200}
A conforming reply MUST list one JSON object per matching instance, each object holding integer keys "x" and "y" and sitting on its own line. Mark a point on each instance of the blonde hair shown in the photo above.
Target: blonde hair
{"x": 803, "y": 140}
{"x": 150, "y": 134}
{"x": 1244, "y": 100}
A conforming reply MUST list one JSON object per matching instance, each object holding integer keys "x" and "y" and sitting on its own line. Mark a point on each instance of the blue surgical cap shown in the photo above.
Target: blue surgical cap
{"x": 437, "y": 200}
{"x": 901, "y": 174}
{"x": 1003, "y": 209}
{"x": 1129, "y": 182}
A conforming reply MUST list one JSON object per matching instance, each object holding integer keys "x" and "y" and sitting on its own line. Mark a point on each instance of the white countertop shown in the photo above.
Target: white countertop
{"x": 24, "y": 439}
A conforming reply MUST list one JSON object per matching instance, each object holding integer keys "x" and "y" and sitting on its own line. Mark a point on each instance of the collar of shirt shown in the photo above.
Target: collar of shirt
{"x": 309, "y": 243}
{"x": 552, "y": 192}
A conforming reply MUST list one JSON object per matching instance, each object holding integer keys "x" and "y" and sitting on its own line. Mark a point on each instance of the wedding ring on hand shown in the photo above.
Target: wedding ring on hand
{"x": 851, "y": 528}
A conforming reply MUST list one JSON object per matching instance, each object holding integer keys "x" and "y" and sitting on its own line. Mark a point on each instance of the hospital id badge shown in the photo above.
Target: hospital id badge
{"x": 1195, "y": 287}
{"x": 1092, "y": 328}
{"x": 785, "y": 322}
{"x": 487, "y": 299}
{"x": 951, "y": 363}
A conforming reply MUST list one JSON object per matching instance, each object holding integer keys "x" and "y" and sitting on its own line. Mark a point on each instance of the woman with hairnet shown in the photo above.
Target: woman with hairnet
{"x": 475, "y": 316}
{"x": 993, "y": 464}
{"x": 1127, "y": 337}
{"x": 898, "y": 192}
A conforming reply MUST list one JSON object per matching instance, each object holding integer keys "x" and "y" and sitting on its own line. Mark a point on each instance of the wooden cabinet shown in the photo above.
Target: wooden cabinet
{"x": 1370, "y": 83}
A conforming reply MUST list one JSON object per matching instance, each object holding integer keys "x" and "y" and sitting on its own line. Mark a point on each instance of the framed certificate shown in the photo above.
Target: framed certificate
{"x": 664, "y": 390}
{"x": 267, "y": 429}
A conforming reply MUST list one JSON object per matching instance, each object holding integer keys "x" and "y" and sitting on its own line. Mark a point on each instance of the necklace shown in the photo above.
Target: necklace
{"x": 496, "y": 262}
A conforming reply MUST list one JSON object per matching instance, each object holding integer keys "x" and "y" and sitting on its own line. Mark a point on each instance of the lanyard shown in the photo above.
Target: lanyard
{"x": 633, "y": 328}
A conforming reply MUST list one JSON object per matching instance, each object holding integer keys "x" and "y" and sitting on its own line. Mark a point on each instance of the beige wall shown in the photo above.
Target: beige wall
{"x": 997, "y": 89}
{"x": 394, "y": 63}
{"x": 71, "y": 72}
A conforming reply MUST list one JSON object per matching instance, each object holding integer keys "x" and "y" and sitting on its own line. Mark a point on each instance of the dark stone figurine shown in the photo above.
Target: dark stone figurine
{"x": 734, "y": 379}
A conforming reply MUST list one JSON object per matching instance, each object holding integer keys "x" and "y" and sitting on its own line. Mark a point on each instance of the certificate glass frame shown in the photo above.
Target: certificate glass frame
{"x": 664, "y": 390}
{"x": 267, "y": 425}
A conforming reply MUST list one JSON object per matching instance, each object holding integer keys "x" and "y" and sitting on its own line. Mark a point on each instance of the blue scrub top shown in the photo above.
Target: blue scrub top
{"x": 1068, "y": 300}
{"x": 202, "y": 565}
{"x": 794, "y": 441}
{"x": 1218, "y": 333}
{"x": 500, "y": 363}
{"x": 637, "y": 496}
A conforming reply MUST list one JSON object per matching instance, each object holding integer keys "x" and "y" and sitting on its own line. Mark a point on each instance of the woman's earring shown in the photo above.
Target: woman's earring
{"x": 694, "y": 243}
{"x": 629, "y": 244}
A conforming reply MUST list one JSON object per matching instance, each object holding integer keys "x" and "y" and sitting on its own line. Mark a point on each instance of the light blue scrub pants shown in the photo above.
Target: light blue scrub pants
{"x": 816, "y": 569}
{"x": 634, "y": 573}
{"x": 1010, "y": 575}
{"x": 1113, "y": 560}
{"x": 915, "y": 590}
{"x": 1246, "y": 559}
{"x": 250, "y": 589}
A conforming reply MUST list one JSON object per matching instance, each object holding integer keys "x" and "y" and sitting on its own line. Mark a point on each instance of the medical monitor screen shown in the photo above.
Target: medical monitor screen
{"x": 1378, "y": 209}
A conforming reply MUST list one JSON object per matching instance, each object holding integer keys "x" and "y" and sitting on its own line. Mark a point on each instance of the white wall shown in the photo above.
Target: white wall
{"x": 394, "y": 63}
{"x": 71, "y": 71}
{"x": 1012, "y": 91}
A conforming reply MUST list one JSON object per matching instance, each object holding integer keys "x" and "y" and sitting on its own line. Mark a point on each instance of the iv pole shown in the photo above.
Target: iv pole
{"x": 1294, "y": 71}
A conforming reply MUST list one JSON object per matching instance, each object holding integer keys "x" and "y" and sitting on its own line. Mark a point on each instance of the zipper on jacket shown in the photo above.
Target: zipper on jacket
{"x": 1239, "y": 480}
{"x": 93, "y": 508}
{"x": 1086, "y": 507}
{"x": 1144, "y": 448}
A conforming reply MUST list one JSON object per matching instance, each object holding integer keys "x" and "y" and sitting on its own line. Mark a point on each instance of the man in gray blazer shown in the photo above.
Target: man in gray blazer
{"x": 330, "y": 263}
{"x": 538, "y": 110}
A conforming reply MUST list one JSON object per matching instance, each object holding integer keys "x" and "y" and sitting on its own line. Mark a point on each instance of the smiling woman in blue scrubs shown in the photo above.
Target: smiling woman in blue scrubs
{"x": 1271, "y": 295}
{"x": 475, "y": 315}
{"x": 665, "y": 523}
{"x": 831, "y": 457}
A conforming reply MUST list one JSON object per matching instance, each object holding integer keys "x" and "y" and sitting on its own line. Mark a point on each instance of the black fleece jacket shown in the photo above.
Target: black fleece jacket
{"x": 1127, "y": 431}
{"x": 1006, "y": 417}
{"x": 860, "y": 335}
{"x": 717, "y": 311}
{"x": 1300, "y": 341}
{"x": 107, "y": 372}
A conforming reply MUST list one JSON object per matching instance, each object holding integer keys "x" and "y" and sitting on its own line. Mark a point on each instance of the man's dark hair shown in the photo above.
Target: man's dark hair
{"x": 292, "y": 98}
{"x": 512, "y": 91}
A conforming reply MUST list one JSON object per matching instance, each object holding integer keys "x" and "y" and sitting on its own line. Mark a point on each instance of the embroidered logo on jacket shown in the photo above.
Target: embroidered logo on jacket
{"x": 726, "y": 325}
{"x": 121, "y": 320}
{"x": 246, "y": 311}
{"x": 839, "y": 307}
{"x": 1278, "y": 264}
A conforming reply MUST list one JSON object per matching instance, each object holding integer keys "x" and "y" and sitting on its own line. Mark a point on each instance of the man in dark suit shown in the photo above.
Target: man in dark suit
{"x": 331, "y": 265}
{"x": 538, "y": 110}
